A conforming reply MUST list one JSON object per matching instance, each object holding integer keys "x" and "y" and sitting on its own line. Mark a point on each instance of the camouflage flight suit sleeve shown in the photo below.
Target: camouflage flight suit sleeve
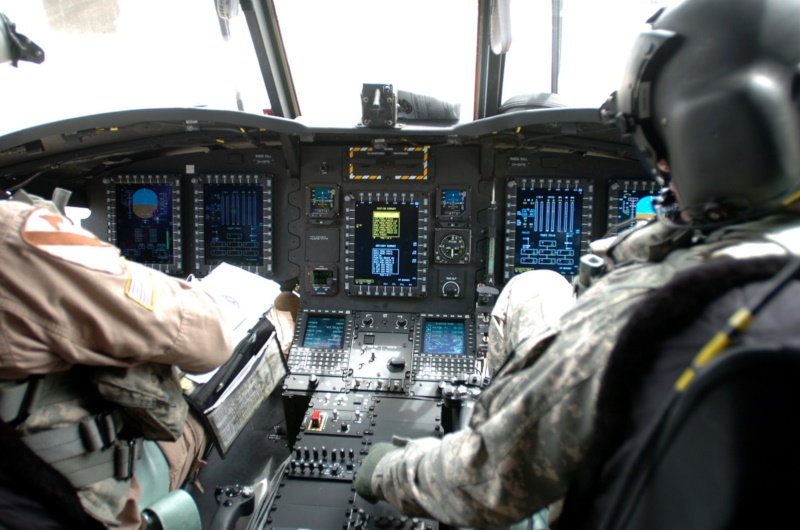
{"x": 529, "y": 428}
{"x": 69, "y": 298}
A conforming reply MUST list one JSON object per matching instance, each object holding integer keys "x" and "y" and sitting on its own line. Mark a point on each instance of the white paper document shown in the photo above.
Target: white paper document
{"x": 244, "y": 298}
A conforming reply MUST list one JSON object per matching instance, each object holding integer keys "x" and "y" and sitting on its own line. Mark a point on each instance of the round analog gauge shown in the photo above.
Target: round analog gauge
{"x": 452, "y": 247}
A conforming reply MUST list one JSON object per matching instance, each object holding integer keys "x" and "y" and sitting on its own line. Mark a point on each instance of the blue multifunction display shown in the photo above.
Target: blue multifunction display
{"x": 445, "y": 336}
{"x": 324, "y": 332}
{"x": 234, "y": 223}
{"x": 630, "y": 202}
{"x": 145, "y": 221}
{"x": 548, "y": 224}
{"x": 548, "y": 230}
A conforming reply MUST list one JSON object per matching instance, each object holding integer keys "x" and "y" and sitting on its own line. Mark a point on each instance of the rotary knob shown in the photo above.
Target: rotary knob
{"x": 451, "y": 289}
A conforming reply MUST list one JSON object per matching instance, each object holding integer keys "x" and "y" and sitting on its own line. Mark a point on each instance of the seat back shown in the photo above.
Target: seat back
{"x": 725, "y": 452}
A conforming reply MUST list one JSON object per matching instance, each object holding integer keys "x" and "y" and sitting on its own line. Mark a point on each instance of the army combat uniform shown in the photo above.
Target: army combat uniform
{"x": 68, "y": 300}
{"x": 530, "y": 427}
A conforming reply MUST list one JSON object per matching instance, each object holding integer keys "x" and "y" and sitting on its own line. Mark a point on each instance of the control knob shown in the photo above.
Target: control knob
{"x": 396, "y": 364}
{"x": 451, "y": 289}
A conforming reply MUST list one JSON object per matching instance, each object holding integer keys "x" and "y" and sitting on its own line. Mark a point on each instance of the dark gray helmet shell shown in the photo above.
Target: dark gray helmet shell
{"x": 714, "y": 90}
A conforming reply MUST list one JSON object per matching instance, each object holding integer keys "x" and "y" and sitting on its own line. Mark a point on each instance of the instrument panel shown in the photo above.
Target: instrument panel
{"x": 397, "y": 253}
{"x": 406, "y": 353}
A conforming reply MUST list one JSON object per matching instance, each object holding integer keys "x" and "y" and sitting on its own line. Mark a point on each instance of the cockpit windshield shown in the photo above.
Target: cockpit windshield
{"x": 308, "y": 59}
{"x": 106, "y": 55}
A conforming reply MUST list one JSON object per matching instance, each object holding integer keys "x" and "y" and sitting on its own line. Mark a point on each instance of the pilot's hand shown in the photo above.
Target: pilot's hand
{"x": 364, "y": 476}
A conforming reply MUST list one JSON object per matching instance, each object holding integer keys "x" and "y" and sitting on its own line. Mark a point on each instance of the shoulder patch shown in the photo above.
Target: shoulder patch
{"x": 140, "y": 287}
{"x": 57, "y": 236}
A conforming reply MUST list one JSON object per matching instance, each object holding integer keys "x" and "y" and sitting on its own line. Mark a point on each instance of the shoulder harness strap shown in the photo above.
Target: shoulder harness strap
{"x": 84, "y": 452}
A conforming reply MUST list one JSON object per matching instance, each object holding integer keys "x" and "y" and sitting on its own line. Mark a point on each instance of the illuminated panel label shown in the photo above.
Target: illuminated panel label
{"x": 324, "y": 332}
{"x": 144, "y": 222}
{"x": 446, "y": 337}
{"x": 234, "y": 223}
{"x": 386, "y": 244}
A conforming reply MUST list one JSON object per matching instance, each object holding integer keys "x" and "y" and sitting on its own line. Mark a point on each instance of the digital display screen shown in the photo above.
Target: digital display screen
{"x": 234, "y": 223}
{"x": 453, "y": 203}
{"x": 445, "y": 337}
{"x": 144, "y": 222}
{"x": 321, "y": 277}
{"x": 323, "y": 201}
{"x": 630, "y": 201}
{"x": 548, "y": 229}
{"x": 386, "y": 243}
{"x": 635, "y": 205}
{"x": 324, "y": 332}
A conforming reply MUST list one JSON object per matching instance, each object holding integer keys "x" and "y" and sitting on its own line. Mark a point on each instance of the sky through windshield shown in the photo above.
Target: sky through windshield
{"x": 106, "y": 55}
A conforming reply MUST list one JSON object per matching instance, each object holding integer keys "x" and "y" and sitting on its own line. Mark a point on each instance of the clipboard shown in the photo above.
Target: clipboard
{"x": 227, "y": 397}
{"x": 241, "y": 385}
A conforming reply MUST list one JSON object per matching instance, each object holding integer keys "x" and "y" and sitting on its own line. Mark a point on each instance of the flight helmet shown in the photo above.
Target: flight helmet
{"x": 714, "y": 89}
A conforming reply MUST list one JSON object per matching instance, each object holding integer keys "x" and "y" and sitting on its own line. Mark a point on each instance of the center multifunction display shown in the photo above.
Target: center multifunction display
{"x": 379, "y": 351}
{"x": 386, "y": 244}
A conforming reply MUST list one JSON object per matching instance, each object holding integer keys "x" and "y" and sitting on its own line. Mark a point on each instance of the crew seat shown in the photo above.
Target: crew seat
{"x": 725, "y": 455}
{"x": 691, "y": 434}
